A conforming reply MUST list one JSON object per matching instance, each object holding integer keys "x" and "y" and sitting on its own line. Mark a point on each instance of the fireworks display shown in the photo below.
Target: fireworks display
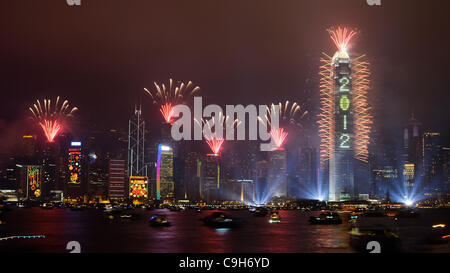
{"x": 326, "y": 118}
{"x": 51, "y": 119}
{"x": 168, "y": 97}
{"x": 214, "y": 139}
{"x": 341, "y": 37}
{"x": 279, "y": 136}
{"x": 289, "y": 114}
{"x": 362, "y": 117}
{"x": 360, "y": 85}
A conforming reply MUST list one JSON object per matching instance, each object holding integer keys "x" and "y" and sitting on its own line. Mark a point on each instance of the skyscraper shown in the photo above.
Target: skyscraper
{"x": 344, "y": 121}
{"x": 211, "y": 177}
{"x": 164, "y": 173}
{"x": 116, "y": 180}
{"x": 277, "y": 174}
{"x": 76, "y": 170}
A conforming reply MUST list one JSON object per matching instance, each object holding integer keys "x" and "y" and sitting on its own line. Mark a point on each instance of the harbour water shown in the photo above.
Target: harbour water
{"x": 187, "y": 234}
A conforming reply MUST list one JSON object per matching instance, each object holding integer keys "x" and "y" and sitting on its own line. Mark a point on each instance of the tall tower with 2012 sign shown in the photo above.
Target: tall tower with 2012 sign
{"x": 344, "y": 119}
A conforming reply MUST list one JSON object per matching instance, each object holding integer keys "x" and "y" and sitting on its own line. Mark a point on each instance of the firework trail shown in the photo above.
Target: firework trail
{"x": 168, "y": 97}
{"x": 215, "y": 139}
{"x": 51, "y": 119}
{"x": 341, "y": 37}
{"x": 290, "y": 114}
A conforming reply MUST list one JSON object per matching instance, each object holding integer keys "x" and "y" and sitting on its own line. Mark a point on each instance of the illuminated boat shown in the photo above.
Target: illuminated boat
{"x": 374, "y": 226}
{"x": 329, "y": 218}
{"x": 47, "y": 205}
{"x": 76, "y": 208}
{"x": 439, "y": 234}
{"x": 260, "y": 212}
{"x": 220, "y": 220}
{"x": 22, "y": 205}
{"x": 159, "y": 220}
{"x": 274, "y": 217}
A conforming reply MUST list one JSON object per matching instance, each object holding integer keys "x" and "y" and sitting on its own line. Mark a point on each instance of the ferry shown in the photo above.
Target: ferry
{"x": 327, "y": 218}
{"x": 220, "y": 220}
{"x": 274, "y": 217}
{"x": 159, "y": 220}
{"x": 373, "y": 226}
{"x": 439, "y": 234}
{"x": 47, "y": 205}
{"x": 260, "y": 212}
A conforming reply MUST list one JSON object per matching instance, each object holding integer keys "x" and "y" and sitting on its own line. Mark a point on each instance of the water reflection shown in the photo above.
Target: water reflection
{"x": 187, "y": 234}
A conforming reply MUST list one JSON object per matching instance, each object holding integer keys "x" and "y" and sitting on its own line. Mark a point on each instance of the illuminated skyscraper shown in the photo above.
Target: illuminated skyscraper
{"x": 164, "y": 173}
{"x": 31, "y": 181}
{"x": 75, "y": 170}
{"x": 277, "y": 174}
{"x": 211, "y": 178}
{"x": 136, "y": 148}
{"x": 116, "y": 179}
{"x": 192, "y": 175}
{"x": 344, "y": 121}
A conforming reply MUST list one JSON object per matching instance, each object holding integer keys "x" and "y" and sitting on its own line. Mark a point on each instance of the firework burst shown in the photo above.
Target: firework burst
{"x": 362, "y": 118}
{"x": 287, "y": 113}
{"x": 341, "y": 37}
{"x": 168, "y": 97}
{"x": 215, "y": 139}
{"x": 360, "y": 74}
{"x": 279, "y": 136}
{"x": 49, "y": 118}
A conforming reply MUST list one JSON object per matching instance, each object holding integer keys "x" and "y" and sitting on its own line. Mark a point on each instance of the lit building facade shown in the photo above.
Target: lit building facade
{"x": 75, "y": 170}
{"x": 138, "y": 190}
{"x": 277, "y": 174}
{"x": 211, "y": 178}
{"x": 116, "y": 179}
{"x": 432, "y": 162}
{"x": 164, "y": 173}
{"x": 344, "y": 120}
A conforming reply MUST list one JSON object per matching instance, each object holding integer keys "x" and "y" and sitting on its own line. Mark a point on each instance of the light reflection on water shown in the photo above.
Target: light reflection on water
{"x": 187, "y": 234}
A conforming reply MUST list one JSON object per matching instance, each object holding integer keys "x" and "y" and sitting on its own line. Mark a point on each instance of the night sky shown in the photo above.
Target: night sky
{"x": 101, "y": 55}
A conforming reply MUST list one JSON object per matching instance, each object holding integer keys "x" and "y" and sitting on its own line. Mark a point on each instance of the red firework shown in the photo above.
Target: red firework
{"x": 167, "y": 112}
{"x": 215, "y": 144}
{"x": 287, "y": 116}
{"x": 279, "y": 136}
{"x": 50, "y": 120}
{"x": 341, "y": 37}
{"x": 215, "y": 139}
{"x": 168, "y": 98}
{"x": 51, "y": 128}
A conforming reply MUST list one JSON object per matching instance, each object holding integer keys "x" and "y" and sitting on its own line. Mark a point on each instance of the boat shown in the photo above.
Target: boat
{"x": 439, "y": 234}
{"x": 326, "y": 218}
{"x": 76, "y": 208}
{"x": 159, "y": 220}
{"x": 260, "y": 212}
{"x": 111, "y": 213}
{"x": 274, "y": 217}
{"x": 407, "y": 213}
{"x": 220, "y": 220}
{"x": 22, "y": 205}
{"x": 47, "y": 205}
{"x": 373, "y": 226}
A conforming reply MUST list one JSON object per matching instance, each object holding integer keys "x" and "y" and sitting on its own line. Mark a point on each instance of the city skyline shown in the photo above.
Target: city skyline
{"x": 224, "y": 131}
